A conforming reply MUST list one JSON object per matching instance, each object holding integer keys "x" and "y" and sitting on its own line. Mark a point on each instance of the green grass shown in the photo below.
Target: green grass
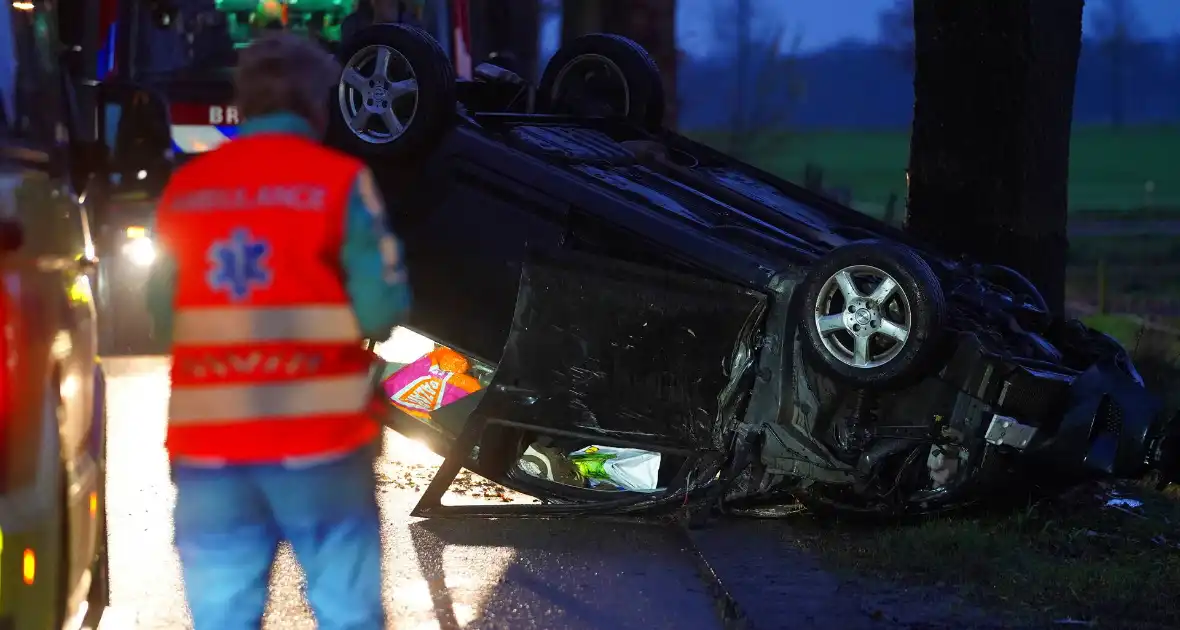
{"x": 1108, "y": 167}
{"x": 1068, "y": 557}
{"x": 1122, "y": 327}
{"x": 1132, "y": 249}
{"x": 1160, "y": 338}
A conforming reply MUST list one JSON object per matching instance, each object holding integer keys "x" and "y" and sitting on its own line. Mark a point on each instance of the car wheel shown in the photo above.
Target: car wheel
{"x": 396, "y": 94}
{"x": 100, "y": 586}
{"x": 55, "y": 412}
{"x": 603, "y": 75}
{"x": 872, "y": 315}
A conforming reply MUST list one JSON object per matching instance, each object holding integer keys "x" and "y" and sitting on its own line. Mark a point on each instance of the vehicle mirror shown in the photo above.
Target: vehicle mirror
{"x": 136, "y": 130}
{"x": 163, "y": 13}
{"x": 12, "y": 235}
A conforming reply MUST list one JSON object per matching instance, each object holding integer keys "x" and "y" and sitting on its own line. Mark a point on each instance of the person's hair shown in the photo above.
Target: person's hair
{"x": 284, "y": 72}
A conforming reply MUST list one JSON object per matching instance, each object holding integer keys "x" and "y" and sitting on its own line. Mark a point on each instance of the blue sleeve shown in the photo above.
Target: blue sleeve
{"x": 160, "y": 293}
{"x": 371, "y": 258}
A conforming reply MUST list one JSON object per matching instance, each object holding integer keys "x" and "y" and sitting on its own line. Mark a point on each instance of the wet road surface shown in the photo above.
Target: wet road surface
{"x": 439, "y": 574}
{"x": 777, "y": 585}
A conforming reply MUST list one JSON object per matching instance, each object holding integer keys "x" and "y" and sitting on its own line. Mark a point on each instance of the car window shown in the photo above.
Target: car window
{"x": 7, "y": 70}
{"x": 30, "y": 108}
{"x": 29, "y": 80}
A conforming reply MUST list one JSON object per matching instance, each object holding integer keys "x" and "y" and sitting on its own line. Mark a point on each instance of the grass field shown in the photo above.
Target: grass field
{"x": 1073, "y": 557}
{"x": 1069, "y": 560}
{"x": 1109, "y": 168}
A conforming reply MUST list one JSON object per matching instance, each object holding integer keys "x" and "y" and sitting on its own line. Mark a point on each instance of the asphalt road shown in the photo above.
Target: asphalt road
{"x": 439, "y": 574}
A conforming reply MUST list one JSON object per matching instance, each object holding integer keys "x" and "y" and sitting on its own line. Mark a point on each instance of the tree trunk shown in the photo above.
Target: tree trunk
{"x": 507, "y": 28}
{"x": 385, "y": 11}
{"x": 651, "y": 23}
{"x": 1118, "y": 65}
{"x": 579, "y": 17}
{"x": 739, "y": 129}
{"x": 989, "y": 155}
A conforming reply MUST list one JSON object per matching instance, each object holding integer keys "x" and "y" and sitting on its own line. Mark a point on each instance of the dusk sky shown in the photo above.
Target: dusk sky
{"x": 822, "y": 23}
{"x": 825, "y": 22}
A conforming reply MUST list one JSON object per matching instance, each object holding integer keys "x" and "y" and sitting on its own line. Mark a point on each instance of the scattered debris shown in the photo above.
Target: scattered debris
{"x": 409, "y": 466}
{"x": 416, "y": 477}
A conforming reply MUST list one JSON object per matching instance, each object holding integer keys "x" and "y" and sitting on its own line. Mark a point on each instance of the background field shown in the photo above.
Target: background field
{"x": 1128, "y": 176}
{"x": 1110, "y": 169}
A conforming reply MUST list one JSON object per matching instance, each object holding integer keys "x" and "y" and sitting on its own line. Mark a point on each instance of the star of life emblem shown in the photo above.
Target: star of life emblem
{"x": 239, "y": 265}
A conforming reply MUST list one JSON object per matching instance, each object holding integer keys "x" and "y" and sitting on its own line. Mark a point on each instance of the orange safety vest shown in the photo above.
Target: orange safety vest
{"x": 268, "y": 363}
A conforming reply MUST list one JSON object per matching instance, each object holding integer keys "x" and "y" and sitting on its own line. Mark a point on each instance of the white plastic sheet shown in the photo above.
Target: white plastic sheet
{"x": 628, "y": 468}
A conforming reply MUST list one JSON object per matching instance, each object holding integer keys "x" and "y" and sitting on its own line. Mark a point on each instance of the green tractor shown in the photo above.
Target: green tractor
{"x": 320, "y": 18}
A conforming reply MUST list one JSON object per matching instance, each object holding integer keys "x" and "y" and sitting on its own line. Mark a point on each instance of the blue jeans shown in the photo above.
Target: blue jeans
{"x": 229, "y": 522}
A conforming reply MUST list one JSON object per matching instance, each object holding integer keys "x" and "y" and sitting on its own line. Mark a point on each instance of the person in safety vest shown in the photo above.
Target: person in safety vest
{"x": 275, "y": 265}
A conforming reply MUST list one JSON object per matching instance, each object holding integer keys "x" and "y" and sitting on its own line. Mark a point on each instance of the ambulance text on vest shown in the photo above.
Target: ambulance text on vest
{"x": 293, "y": 196}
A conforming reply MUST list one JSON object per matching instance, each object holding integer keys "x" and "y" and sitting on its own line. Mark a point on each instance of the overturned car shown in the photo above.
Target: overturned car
{"x": 602, "y": 284}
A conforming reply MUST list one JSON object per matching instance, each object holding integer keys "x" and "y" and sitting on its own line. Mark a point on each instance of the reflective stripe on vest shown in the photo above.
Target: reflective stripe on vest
{"x": 267, "y": 358}
{"x": 220, "y": 404}
{"x": 232, "y": 325}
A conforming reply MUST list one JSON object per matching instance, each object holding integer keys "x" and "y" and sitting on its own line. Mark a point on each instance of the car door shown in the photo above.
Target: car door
{"x": 585, "y": 343}
{"x": 52, "y": 269}
{"x": 637, "y": 327}
{"x": 465, "y": 245}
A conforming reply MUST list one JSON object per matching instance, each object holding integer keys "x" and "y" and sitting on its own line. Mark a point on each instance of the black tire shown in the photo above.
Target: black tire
{"x": 61, "y": 523}
{"x": 919, "y": 292}
{"x": 100, "y": 587}
{"x": 62, "y": 584}
{"x": 643, "y": 99}
{"x": 434, "y": 112}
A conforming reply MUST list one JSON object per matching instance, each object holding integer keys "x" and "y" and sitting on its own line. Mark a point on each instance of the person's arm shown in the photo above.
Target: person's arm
{"x": 371, "y": 258}
{"x": 160, "y": 292}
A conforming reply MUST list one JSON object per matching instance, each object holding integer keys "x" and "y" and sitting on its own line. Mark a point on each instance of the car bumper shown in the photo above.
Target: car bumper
{"x": 1099, "y": 423}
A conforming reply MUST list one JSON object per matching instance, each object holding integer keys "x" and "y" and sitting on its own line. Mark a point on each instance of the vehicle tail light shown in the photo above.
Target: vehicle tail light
{"x": 28, "y": 568}
{"x": 8, "y": 337}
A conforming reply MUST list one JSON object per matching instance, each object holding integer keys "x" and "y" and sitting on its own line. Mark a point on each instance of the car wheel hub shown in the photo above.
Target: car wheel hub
{"x": 863, "y": 316}
{"x": 860, "y": 317}
{"x": 378, "y": 94}
{"x": 592, "y": 84}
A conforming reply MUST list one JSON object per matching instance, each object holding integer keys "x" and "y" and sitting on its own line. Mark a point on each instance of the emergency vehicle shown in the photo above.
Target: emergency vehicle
{"x": 53, "y": 544}
{"x": 185, "y": 51}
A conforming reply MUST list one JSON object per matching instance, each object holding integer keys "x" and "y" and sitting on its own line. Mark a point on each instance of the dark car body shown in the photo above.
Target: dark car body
{"x": 620, "y": 303}
{"x": 188, "y": 61}
{"x": 632, "y": 287}
{"x": 656, "y": 303}
{"x": 53, "y": 570}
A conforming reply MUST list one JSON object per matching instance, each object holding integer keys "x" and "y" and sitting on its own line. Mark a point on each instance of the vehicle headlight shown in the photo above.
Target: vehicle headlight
{"x": 140, "y": 251}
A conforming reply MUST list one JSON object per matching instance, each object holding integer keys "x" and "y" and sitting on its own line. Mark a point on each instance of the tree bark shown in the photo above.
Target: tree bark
{"x": 579, "y": 17}
{"x": 385, "y": 11}
{"x": 651, "y": 23}
{"x": 989, "y": 155}
{"x": 507, "y": 26}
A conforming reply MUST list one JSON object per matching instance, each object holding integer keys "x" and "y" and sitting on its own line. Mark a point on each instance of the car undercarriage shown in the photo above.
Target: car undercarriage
{"x": 608, "y": 291}
{"x": 626, "y": 287}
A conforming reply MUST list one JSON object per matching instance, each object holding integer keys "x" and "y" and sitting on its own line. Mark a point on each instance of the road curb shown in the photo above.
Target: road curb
{"x": 729, "y": 612}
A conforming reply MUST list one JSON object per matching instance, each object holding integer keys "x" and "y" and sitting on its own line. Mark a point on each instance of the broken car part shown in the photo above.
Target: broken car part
{"x": 638, "y": 290}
